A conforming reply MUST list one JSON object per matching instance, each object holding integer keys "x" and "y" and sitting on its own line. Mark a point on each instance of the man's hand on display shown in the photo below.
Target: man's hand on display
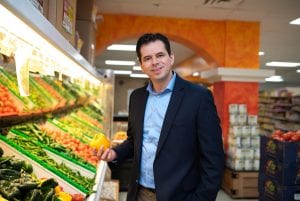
{"x": 106, "y": 155}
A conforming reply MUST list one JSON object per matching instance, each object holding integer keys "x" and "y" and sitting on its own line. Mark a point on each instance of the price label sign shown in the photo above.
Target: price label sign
{"x": 22, "y": 56}
{"x": 7, "y": 44}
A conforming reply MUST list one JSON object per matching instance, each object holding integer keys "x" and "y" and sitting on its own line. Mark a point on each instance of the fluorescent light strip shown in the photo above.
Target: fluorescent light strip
{"x": 274, "y": 78}
{"x": 136, "y": 68}
{"x": 298, "y": 71}
{"x": 121, "y": 47}
{"x": 120, "y": 63}
{"x": 282, "y": 64}
{"x": 138, "y": 75}
{"x": 295, "y": 22}
{"x": 122, "y": 72}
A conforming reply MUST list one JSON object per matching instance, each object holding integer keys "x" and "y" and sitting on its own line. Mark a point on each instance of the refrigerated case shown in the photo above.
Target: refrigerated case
{"x": 24, "y": 29}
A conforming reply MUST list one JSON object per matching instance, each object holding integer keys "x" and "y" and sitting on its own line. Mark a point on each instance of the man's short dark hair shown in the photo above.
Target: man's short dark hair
{"x": 151, "y": 37}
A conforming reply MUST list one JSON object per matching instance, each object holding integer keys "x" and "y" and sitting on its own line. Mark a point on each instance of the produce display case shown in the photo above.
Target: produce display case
{"x": 60, "y": 60}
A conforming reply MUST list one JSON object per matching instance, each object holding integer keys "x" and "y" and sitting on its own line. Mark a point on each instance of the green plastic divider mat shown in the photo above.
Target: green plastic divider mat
{"x": 45, "y": 165}
{"x": 63, "y": 155}
{"x": 59, "y": 125}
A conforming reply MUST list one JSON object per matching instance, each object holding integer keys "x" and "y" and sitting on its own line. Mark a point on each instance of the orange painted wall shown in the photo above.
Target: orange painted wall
{"x": 228, "y": 43}
{"x": 241, "y": 44}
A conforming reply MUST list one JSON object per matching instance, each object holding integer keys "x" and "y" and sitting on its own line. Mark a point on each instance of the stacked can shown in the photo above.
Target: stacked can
{"x": 243, "y": 152}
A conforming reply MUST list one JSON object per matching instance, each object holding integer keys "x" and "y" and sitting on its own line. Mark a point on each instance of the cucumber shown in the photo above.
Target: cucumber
{"x": 1, "y": 152}
{"x": 48, "y": 196}
{"x": 34, "y": 195}
{"x": 9, "y": 174}
{"x": 27, "y": 167}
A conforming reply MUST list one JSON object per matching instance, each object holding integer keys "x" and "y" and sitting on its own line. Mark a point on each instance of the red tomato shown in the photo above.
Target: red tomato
{"x": 295, "y": 138}
{"x": 278, "y": 138}
{"x": 287, "y": 136}
{"x": 77, "y": 197}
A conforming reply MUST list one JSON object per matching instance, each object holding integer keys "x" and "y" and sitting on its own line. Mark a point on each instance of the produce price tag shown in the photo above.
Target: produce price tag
{"x": 7, "y": 44}
{"x": 22, "y": 70}
{"x": 35, "y": 62}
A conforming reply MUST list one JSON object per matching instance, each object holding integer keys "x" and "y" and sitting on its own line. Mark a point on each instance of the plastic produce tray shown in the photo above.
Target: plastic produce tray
{"x": 41, "y": 172}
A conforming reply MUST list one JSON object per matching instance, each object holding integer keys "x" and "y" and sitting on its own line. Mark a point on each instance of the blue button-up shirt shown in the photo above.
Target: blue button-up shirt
{"x": 156, "y": 108}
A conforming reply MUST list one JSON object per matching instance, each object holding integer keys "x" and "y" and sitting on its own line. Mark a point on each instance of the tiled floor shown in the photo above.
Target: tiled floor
{"x": 222, "y": 196}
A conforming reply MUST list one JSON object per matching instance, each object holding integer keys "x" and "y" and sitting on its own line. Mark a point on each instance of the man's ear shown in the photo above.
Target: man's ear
{"x": 172, "y": 57}
{"x": 140, "y": 63}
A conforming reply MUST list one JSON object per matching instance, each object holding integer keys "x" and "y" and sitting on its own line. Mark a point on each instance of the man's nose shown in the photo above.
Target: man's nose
{"x": 155, "y": 60}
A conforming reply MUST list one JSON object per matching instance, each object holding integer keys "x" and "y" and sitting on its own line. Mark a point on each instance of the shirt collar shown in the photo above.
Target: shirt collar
{"x": 169, "y": 87}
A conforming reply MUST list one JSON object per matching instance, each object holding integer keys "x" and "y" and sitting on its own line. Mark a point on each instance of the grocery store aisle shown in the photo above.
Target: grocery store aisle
{"x": 222, "y": 196}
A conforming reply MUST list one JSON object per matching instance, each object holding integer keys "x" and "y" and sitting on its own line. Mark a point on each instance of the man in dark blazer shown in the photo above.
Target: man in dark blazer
{"x": 174, "y": 133}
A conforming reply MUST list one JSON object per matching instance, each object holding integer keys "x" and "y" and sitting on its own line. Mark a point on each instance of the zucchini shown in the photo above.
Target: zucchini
{"x": 27, "y": 167}
{"x": 28, "y": 185}
{"x": 6, "y": 159}
{"x": 49, "y": 195}
{"x": 1, "y": 152}
{"x": 8, "y": 174}
{"x": 9, "y": 191}
{"x": 33, "y": 195}
{"x": 16, "y": 164}
{"x": 49, "y": 183}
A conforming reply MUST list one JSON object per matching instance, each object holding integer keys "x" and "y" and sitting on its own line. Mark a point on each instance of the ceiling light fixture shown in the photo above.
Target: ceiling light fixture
{"x": 138, "y": 75}
{"x": 122, "y": 72}
{"x": 136, "y": 68}
{"x": 274, "y": 78}
{"x": 282, "y": 64}
{"x": 261, "y": 53}
{"x": 298, "y": 71}
{"x": 121, "y": 47}
{"x": 119, "y": 62}
{"x": 295, "y": 22}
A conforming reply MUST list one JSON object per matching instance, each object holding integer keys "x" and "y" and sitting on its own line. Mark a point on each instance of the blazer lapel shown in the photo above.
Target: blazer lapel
{"x": 173, "y": 106}
{"x": 139, "y": 117}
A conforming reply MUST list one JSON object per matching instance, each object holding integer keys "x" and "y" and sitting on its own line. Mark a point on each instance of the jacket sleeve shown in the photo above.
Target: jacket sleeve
{"x": 211, "y": 161}
{"x": 125, "y": 150}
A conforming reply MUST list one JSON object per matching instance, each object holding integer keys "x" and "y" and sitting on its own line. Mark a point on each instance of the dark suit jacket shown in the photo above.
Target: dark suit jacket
{"x": 189, "y": 159}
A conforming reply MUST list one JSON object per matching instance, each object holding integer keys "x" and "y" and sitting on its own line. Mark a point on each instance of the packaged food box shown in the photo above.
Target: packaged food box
{"x": 284, "y": 151}
{"x": 271, "y": 190}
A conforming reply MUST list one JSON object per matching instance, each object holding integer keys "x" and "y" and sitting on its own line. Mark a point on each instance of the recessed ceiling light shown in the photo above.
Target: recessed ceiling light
{"x": 139, "y": 75}
{"x": 298, "y": 71}
{"x": 274, "y": 78}
{"x": 282, "y": 64}
{"x": 295, "y": 22}
{"x": 196, "y": 74}
{"x": 121, "y": 47}
{"x": 136, "y": 68}
{"x": 261, "y": 53}
{"x": 119, "y": 62}
{"x": 122, "y": 72}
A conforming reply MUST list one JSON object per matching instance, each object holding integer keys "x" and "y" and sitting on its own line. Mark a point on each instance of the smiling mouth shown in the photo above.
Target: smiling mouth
{"x": 157, "y": 69}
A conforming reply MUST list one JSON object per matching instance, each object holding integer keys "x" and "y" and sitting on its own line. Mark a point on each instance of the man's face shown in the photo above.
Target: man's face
{"x": 156, "y": 62}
